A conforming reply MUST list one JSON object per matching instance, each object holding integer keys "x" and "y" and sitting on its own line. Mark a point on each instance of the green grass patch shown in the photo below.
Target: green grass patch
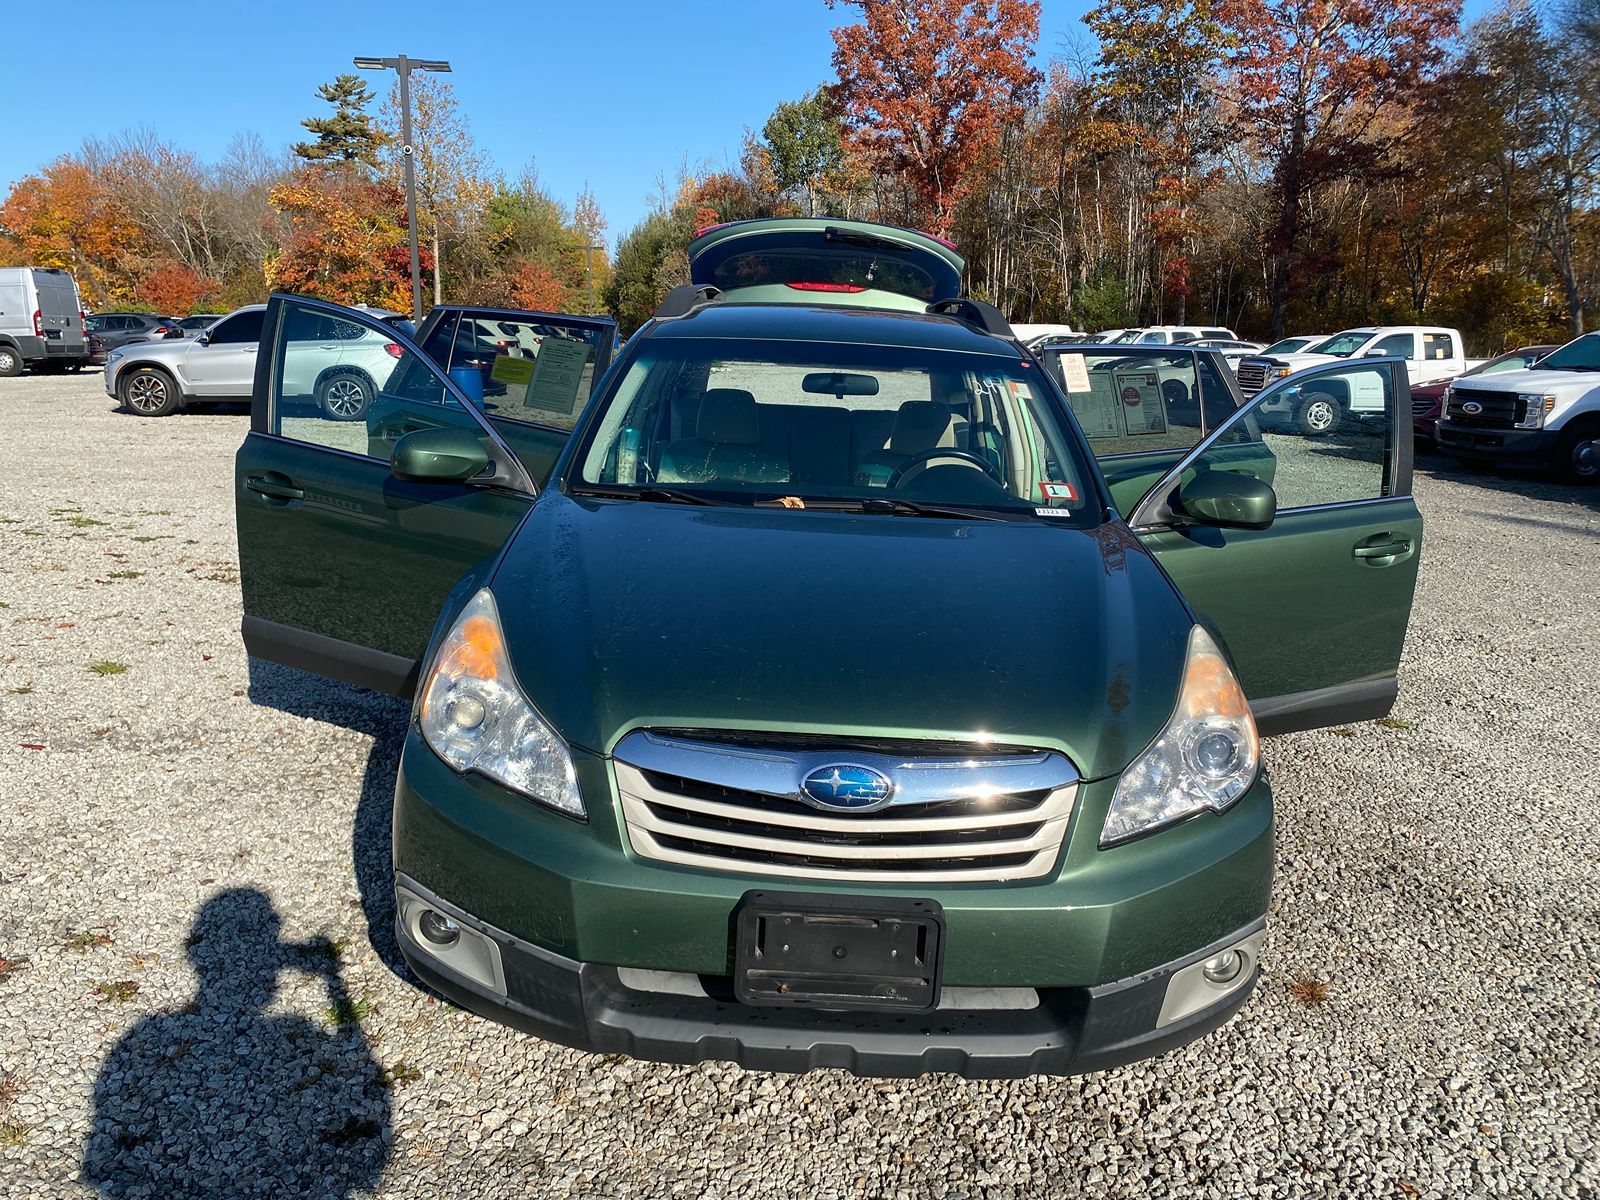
{"x": 124, "y": 574}
{"x": 14, "y": 1133}
{"x": 106, "y": 667}
{"x": 88, "y": 939}
{"x": 120, "y": 991}
{"x": 82, "y": 522}
{"x": 152, "y": 537}
{"x": 347, "y": 1012}
{"x": 25, "y": 689}
{"x": 401, "y": 1072}
{"x": 1346, "y": 731}
{"x": 1395, "y": 723}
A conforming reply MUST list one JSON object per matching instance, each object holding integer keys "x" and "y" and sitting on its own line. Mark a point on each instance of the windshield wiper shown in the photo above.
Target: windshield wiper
{"x": 916, "y": 508}
{"x": 660, "y": 495}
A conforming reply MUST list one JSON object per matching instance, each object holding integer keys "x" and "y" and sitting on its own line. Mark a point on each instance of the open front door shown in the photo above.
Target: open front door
{"x": 530, "y": 373}
{"x": 344, "y": 565}
{"x": 1314, "y": 608}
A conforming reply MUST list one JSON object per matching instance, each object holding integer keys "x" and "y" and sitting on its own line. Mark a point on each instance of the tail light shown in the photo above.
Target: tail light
{"x": 38, "y": 323}
{"x": 394, "y": 349}
{"x": 945, "y": 242}
{"x": 848, "y": 288}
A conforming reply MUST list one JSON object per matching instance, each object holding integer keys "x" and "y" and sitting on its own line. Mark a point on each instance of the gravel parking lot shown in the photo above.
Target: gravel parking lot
{"x": 198, "y": 985}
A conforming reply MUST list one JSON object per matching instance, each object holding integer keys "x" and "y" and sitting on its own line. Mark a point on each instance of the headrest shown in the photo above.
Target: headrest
{"x": 728, "y": 418}
{"x": 919, "y": 425}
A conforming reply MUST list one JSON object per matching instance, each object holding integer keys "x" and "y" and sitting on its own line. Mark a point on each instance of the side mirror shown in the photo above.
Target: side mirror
{"x": 1229, "y": 500}
{"x": 1376, "y": 354}
{"x": 201, "y": 339}
{"x": 438, "y": 456}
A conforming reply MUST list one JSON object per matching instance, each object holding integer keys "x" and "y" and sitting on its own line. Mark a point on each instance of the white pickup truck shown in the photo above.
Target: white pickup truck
{"x": 1431, "y": 354}
{"x": 1548, "y": 414}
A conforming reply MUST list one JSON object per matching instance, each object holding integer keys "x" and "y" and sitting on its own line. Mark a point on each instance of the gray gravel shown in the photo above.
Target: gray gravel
{"x": 1438, "y": 878}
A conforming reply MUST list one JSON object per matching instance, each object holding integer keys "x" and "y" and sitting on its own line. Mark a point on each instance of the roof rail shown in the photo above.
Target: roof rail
{"x": 686, "y": 298}
{"x": 982, "y": 316}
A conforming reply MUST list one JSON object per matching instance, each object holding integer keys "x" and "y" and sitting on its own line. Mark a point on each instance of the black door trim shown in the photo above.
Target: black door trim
{"x": 1343, "y": 704}
{"x": 330, "y": 657}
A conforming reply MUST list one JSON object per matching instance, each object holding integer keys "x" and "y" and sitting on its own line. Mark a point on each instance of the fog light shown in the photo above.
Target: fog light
{"x": 442, "y": 931}
{"x": 1224, "y": 967}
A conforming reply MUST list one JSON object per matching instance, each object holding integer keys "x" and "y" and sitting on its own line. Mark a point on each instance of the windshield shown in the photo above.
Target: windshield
{"x": 832, "y": 426}
{"x": 1288, "y": 345}
{"x": 1343, "y": 345}
{"x": 1580, "y": 355}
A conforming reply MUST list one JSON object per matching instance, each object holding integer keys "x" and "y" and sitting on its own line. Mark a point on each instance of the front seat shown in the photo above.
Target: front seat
{"x": 726, "y": 446}
{"x": 920, "y": 425}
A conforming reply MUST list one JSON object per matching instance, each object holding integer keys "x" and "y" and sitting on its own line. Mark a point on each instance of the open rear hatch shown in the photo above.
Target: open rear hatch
{"x": 815, "y": 260}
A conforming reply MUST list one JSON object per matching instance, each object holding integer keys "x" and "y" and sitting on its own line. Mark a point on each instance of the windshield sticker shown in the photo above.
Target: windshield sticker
{"x": 557, "y": 374}
{"x": 1057, "y": 491}
{"x": 1140, "y": 393}
{"x": 1051, "y": 512}
{"x": 1074, "y": 373}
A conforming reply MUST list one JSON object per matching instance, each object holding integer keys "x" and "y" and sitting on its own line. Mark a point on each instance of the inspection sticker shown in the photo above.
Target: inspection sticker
{"x": 1057, "y": 491}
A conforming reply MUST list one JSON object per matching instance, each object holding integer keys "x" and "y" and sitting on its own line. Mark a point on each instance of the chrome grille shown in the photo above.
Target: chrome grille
{"x": 734, "y": 805}
{"x": 1496, "y": 410}
{"x": 1252, "y": 377}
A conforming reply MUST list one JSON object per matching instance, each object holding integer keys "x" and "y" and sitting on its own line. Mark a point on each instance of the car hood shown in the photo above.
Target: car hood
{"x": 1533, "y": 380}
{"x": 626, "y": 614}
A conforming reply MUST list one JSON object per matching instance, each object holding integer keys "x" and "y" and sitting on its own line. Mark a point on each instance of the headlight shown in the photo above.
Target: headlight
{"x": 1533, "y": 410}
{"x": 476, "y": 718}
{"x": 1204, "y": 759}
{"x": 1444, "y": 402}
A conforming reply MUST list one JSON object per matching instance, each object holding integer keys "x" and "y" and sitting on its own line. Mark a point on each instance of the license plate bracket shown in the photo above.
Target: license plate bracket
{"x": 815, "y": 950}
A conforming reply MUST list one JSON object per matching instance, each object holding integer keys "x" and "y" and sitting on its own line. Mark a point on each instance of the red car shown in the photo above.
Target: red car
{"x": 1426, "y": 398}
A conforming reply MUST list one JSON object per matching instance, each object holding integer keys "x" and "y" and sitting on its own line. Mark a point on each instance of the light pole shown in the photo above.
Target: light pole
{"x": 403, "y": 66}
{"x": 588, "y": 270}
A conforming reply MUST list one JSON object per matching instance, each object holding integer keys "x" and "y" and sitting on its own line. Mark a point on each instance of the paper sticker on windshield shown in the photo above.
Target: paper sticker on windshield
{"x": 1074, "y": 372}
{"x": 1057, "y": 491}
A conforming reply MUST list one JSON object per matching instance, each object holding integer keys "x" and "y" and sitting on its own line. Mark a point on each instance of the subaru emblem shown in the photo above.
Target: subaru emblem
{"x": 846, "y": 786}
{"x": 1472, "y": 408}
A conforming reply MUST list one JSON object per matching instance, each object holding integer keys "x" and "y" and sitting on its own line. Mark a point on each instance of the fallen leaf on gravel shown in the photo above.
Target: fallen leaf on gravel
{"x": 67, "y": 625}
{"x": 32, "y": 745}
{"x": 205, "y": 658}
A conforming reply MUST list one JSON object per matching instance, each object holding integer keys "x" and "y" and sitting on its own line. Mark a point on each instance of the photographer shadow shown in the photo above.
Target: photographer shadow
{"x": 383, "y": 719}
{"x": 223, "y": 1099}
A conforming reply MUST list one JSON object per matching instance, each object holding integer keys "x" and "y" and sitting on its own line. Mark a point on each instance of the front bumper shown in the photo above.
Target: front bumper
{"x": 1499, "y": 445}
{"x": 975, "y": 1033}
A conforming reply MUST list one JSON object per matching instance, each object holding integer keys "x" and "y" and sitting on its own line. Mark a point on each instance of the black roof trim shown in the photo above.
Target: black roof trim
{"x": 985, "y": 317}
{"x": 687, "y": 298}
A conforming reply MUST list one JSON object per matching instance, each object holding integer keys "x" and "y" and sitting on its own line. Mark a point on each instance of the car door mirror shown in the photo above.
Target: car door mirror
{"x": 201, "y": 339}
{"x": 1229, "y": 500}
{"x": 438, "y": 456}
{"x": 1376, "y": 354}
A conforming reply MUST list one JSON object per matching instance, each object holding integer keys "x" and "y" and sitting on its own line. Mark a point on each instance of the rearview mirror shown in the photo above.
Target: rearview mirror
{"x": 839, "y": 383}
{"x": 438, "y": 456}
{"x": 1229, "y": 500}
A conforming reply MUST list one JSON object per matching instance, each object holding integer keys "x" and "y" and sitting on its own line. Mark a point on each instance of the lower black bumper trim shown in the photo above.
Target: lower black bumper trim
{"x": 586, "y": 1005}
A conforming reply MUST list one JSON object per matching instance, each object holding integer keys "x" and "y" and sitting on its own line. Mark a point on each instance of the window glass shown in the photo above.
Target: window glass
{"x": 1132, "y": 401}
{"x": 93, "y": 324}
{"x": 1580, "y": 354}
{"x": 1347, "y": 462}
{"x": 538, "y": 372}
{"x": 1402, "y": 344}
{"x": 835, "y": 424}
{"x": 246, "y": 327}
{"x": 1436, "y": 346}
{"x": 1155, "y": 337}
{"x": 345, "y": 384}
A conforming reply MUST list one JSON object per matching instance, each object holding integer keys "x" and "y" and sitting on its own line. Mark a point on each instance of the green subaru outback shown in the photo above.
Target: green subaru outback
{"x": 795, "y": 691}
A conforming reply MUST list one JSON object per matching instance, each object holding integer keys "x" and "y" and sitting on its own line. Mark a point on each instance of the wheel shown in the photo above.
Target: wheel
{"x": 1317, "y": 414}
{"x": 149, "y": 392}
{"x": 344, "y": 397}
{"x": 10, "y": 362}
{"x": 1578, "y": 455}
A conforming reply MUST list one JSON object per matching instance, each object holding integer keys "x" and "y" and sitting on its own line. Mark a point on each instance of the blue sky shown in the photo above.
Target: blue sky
{"x": 612, "y": 92}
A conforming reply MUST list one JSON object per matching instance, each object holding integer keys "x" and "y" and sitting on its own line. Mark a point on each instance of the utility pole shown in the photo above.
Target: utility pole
{"x": 588, "y": 270}
{"x": 403, "y": 67}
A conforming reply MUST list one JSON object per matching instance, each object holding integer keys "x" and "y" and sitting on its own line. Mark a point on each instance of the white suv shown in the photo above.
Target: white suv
{"x": 339, "y": 365}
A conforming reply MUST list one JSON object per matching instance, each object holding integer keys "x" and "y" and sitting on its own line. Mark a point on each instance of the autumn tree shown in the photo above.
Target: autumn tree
{"x": 804, "y": 146}
{"x": 927, "y": 86}
{"x": 451, "y": 178}
{"x": 349, "y": 135}
{"x": 1311, "y": 77}
{"x": 344, "y": 239}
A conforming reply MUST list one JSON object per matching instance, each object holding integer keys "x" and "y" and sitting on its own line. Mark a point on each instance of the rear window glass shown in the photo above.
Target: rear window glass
{"x": 843, "y": 269}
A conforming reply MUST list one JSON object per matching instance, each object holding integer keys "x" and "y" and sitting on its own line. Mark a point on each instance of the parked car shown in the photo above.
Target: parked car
{"x": 821, "y": 708}
{"x": 1429, "y": 352}
{"x": 1232, "y": 349}
{"x": 41, "y": 321}
{"x": 1295, "y": 344}
{"x": 1162, "y": 335}
{"x": 1546, "y": 415}
{"x": 198, "y": 322}
{"x": 1426, "y": 398}
{"x": 1032, "y": 335}
{"x": 118, "y": 329}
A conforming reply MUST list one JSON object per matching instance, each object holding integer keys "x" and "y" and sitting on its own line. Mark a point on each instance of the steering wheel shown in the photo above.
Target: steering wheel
{"x": 916, "y": 460}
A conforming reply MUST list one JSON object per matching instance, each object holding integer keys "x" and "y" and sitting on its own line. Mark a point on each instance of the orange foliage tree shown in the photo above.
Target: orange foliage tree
{"x": 927, "y": 87}
{"x": 172, "y": 288}
{"x": 65, "y": 216}
{"x": 345, "y": 239}
{"x": 536, "y": 286}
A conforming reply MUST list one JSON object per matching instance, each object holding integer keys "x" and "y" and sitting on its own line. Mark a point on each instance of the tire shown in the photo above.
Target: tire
{"x": 10, "y": 362}
{"x": 1317, "y": 414}
{"x": 1578, "y": 455}
{"x": 148, "y": 392}
{"x": 345, "y": 396}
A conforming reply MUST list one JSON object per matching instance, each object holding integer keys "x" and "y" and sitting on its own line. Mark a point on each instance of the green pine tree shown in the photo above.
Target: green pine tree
{"x": 349, "y": 134}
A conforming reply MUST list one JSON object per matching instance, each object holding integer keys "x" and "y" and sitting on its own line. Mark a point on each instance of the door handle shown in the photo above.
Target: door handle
{"x": 1382, "y": 549}
{"x": 248, "y": 349}
{"x": 274, "y": 487}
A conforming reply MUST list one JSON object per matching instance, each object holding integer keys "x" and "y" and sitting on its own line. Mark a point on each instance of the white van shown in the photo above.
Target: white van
{"x": 41, "y": 320}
